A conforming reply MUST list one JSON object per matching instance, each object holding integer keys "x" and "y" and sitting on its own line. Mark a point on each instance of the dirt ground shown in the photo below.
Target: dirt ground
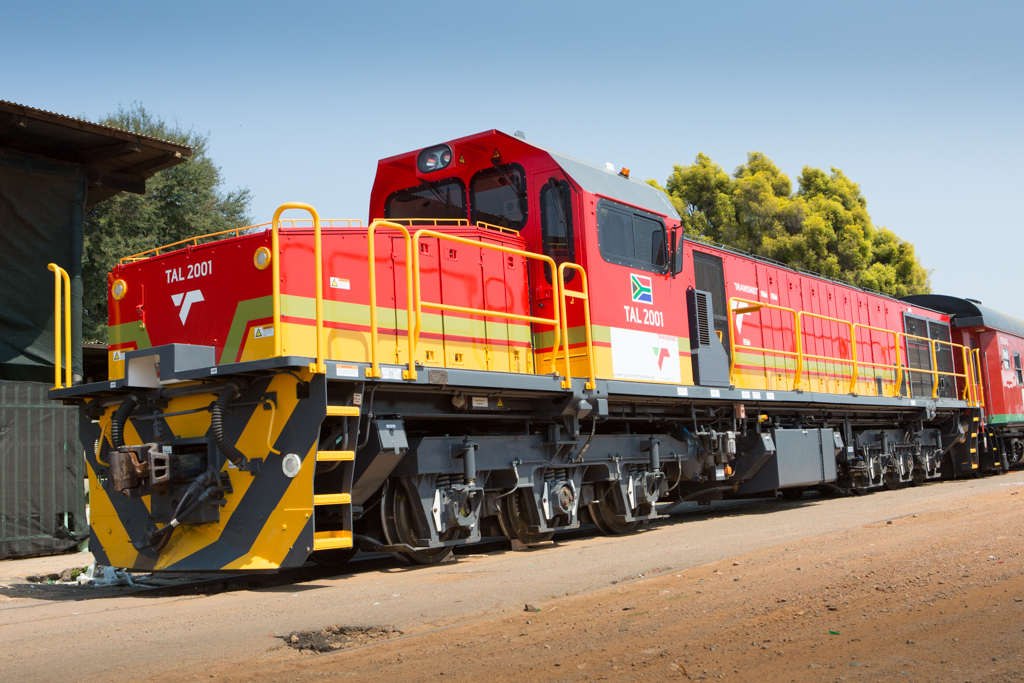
{"x": 928, "y": 597}
{"x": 925, "y": 584}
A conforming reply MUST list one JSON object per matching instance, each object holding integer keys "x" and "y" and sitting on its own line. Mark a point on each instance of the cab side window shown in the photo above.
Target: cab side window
{"x": 631, "y": 237}
{"x": 498, "y": 196}
{"x": 1017, "y": 369}
{"x": 556, "y": 225}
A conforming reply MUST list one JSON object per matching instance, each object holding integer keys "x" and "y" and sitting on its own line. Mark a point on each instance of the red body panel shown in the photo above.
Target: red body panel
{"x": 235, "y": 295}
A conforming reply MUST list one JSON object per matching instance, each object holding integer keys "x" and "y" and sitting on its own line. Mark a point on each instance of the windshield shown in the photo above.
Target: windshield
{"x": 499, "y": 196}
{"x": 443, "y": 199}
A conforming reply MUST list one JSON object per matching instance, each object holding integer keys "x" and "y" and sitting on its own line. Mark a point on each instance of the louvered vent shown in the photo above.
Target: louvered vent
{"x": 703, "y": 319}
{"x": 709, "y": 276}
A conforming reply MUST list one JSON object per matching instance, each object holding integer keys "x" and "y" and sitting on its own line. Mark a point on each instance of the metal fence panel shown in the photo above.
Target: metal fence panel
{"x": 42, "y": 472}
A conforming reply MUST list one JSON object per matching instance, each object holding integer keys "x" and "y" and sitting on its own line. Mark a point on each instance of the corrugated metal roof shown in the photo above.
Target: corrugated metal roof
{"x": 116, "y": 160}
{"x": 6, "y": 105}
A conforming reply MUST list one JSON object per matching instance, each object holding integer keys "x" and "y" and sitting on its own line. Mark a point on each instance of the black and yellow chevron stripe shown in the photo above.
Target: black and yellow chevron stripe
{"x": 267, "y": 520}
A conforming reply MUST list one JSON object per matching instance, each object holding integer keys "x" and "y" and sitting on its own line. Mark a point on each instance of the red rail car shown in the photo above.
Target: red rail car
{"x": 996, "y": 341}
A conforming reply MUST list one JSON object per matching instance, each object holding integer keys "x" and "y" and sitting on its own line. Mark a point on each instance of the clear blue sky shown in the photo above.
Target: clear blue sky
{"x": 919, "y": 102}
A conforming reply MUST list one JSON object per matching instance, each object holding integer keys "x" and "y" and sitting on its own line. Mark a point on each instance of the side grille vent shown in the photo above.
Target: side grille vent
{"x": 703, "y": 319}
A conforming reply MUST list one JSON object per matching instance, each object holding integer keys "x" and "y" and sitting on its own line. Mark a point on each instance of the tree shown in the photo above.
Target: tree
{"x": 180, "y": 202}
{"x": 823, "y": 227}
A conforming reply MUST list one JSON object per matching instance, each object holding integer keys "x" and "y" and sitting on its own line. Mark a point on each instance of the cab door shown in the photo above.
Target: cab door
{"x": 557, "y": 210}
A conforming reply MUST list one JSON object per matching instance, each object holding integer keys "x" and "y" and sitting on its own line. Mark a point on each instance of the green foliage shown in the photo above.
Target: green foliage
{"x": 180, "y": 202}
{"x": 823, "y": 227}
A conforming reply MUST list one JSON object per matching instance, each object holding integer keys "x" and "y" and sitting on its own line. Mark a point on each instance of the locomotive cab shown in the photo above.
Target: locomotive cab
{"x": 623, "y": 234}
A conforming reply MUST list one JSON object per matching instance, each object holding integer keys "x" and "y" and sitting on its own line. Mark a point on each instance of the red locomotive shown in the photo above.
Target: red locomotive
{"x": 518, "y": 342}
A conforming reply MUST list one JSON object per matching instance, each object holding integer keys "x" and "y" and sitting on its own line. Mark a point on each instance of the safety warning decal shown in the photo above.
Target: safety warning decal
{"x": 340, "y": 283}
{"x": 348, "y": 371}
{"x": 264, "y": 331}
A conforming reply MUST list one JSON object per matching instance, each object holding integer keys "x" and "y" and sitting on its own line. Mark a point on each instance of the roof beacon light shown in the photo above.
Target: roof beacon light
{"x": 610, "y": 166}
{"x": 624, "y": 172}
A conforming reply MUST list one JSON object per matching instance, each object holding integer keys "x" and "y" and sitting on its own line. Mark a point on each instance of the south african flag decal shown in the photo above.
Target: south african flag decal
{"x": 641, "y": 286}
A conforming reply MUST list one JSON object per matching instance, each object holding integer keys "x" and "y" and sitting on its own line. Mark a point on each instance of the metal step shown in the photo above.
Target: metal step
{"x": 330, "y": 540}
{"x": 332, "y": 499}
{"x": 343, "y": 411}
{"x": 335, "y": 456}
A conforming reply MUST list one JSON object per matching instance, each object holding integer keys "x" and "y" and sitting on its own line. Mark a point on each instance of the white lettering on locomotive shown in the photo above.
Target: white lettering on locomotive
{"x": 644, "y": 316}
{"x": 189, "y": 272}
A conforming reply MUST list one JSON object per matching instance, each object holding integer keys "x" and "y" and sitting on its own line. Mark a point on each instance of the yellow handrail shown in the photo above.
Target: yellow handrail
{"x": 969, "y": 377}
{"x": 853, "y": 346}
{"x": 275, "y": 261}
{"x": 194, "y": 241}
{"x": 478, "y": 311}
{"x": 584, "y": 294}
{"x": 436, "y": 222}
{"x": 60, "y": 274}
{"x": 896, "y": 350}
{"x": 971, "y": 384}
{"x": 976, "y": 367}
{"x": 935, "y": 372}
{"x": 456, "y": 222}
{"x": 931, "y": 349}
{"x": 498, "y": 228}
{"x": 374, "y": 369}
{"x": 753, "y": 307}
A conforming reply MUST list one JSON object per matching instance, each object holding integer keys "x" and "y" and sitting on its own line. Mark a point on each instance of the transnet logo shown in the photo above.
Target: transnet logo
{"x": 642, "y": 290}
{"x": 662, "y": 353}
{"x": 185, "y": 301}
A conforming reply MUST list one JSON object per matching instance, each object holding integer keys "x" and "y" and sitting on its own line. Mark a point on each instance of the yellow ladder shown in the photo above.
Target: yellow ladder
{"x": 337, "y": 538}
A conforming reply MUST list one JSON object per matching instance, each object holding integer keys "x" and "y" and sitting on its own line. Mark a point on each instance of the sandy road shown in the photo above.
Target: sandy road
{"x": 233, "y": 634}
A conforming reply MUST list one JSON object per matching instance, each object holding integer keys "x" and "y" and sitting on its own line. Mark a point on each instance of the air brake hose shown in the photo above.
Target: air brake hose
{"x": 226, "y": 396}
{"x": 130, "y": 402}
{"x": 207, "y": 480}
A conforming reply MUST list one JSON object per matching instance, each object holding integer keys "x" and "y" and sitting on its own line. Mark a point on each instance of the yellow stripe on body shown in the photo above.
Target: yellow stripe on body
{"x": 283, "y": 526}
{"x": 107, "y": 525}
{"x": 289, "y": 517}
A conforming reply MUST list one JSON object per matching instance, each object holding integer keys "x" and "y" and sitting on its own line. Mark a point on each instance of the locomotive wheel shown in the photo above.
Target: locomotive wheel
{"x": 515, "y": 522}
{"x": 333, "y": 558}
{"x": 890, "y": 480}
{"x": 793, "y": 493}
{"x": 603, "y": 514}
{"x": 400, "y": 526}
{"x": 918, "y": 476}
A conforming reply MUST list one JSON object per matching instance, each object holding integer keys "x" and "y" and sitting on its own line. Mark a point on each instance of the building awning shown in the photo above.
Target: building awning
{"x": 115, "y": 160}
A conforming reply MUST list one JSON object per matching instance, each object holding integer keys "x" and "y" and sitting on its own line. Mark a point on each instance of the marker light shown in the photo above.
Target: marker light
{"x": 119, "y": 289}
{"x": 261, "y": 259}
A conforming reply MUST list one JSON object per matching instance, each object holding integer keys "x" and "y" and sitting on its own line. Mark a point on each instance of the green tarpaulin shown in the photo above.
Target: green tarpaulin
{"x": 42, "y": 205}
